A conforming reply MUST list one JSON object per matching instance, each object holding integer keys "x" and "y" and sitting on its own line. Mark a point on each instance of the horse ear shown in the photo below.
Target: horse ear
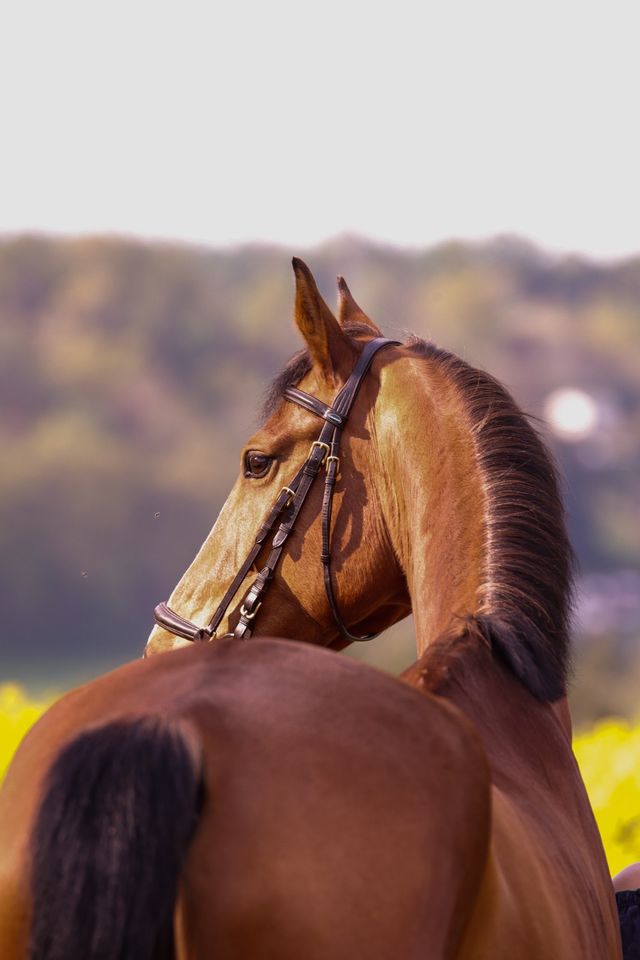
{"x": 349, "y": 311}
{"x": 329, "y": 346}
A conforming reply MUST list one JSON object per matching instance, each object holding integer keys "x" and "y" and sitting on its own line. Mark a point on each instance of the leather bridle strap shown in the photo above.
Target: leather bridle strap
{"x": 181, "y": 627}
{"x": 341, "y": 407}
{"x": 288, "y": 505}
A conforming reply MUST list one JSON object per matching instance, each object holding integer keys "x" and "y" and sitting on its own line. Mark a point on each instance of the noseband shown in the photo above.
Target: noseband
{"x": 324, "y": 452}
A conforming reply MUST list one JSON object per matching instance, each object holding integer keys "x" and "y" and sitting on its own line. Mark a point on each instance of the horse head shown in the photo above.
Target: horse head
{"x": 366, "y": 575}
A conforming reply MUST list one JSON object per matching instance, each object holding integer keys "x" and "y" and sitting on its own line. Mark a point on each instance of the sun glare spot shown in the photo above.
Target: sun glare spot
{"x": 572, "y": 414}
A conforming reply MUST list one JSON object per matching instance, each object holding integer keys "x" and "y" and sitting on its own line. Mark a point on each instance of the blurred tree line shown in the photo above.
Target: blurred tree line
{"x": 130, "y": 374}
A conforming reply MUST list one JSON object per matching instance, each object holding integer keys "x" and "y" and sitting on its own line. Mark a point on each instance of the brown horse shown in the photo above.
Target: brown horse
{"x": 325, "y": 810}
{"x": 447, "y": 505}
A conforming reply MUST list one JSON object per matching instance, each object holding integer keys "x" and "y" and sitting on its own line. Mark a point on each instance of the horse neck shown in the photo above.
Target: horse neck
{"x": 435, "y": 497}
{"x": 475, "y": 515}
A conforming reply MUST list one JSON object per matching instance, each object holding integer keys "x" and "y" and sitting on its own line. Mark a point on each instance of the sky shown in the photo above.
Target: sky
{"x": 408, "y": 122}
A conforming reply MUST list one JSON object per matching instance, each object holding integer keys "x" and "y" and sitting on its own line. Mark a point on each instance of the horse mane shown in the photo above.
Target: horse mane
{"x": 525, "y": 595}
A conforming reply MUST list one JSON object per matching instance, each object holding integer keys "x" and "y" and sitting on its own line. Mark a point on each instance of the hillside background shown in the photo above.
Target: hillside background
{"x": 130, "y": 374}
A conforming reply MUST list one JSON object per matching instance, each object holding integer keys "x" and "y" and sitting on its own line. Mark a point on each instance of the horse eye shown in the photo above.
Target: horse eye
{"x": 256, "y": 464}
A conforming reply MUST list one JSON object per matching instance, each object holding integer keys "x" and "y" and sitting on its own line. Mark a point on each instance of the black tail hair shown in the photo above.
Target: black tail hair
{"x": 119, "y": 807}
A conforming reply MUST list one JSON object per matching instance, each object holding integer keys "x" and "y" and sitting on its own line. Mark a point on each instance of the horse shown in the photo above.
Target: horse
{"x": 447, "y": 506}
{"x": 266, "y": 798}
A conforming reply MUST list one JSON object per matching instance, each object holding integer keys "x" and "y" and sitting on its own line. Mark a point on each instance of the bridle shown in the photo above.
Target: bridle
{"x": 324, "y": 452}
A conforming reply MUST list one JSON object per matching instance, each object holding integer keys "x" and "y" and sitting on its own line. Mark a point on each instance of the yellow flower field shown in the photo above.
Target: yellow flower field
{"x": 17, "y": 714}
{"x": 609, "y": 757}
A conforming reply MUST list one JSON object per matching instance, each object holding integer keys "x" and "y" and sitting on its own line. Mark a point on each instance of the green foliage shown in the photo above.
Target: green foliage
{"x": 130, "y": 375}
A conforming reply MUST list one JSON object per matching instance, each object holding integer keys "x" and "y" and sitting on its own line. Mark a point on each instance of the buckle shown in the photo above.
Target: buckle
{"x": 325, "y": 447}
{"x": 249, "y": 615}
{"x": 291, "y": 493}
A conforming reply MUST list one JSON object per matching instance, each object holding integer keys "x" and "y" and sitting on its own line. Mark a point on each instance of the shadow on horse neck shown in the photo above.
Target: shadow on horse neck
{"x": 446, "y": 504}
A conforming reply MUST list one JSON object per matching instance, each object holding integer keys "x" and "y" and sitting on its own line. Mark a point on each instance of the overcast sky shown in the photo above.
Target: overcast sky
{"x": 279, "y": 120}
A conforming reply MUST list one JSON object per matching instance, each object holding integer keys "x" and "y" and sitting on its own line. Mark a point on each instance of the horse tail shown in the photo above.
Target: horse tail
{"x": 119, "y": 807}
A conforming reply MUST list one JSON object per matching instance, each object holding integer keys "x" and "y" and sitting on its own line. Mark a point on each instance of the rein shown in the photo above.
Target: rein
{"x": 324, "y": 452}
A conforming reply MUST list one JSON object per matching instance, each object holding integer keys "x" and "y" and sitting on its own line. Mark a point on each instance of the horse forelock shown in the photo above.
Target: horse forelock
{"x": 297, "y": 367}
{"x": 524, "y": 597}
